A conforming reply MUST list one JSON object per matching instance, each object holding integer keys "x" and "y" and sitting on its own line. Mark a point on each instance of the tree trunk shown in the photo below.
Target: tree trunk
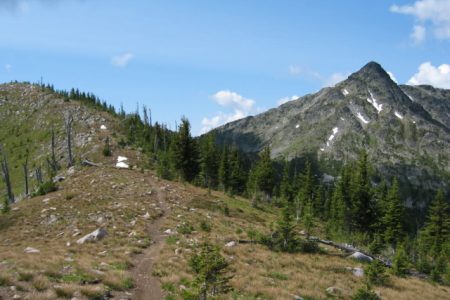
{"x": 5, "y": 171}
{"x": 25, "y": 175}
{"x": 69, "y": 122}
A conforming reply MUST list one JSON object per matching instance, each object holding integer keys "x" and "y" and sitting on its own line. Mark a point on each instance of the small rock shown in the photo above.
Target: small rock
{"x": 334, "y": 290}
{"x": 93, "y": 236}
{"x": 230, "y": 244}
{"x": 296, "y": 297}
{"x": 17, "y": 297}
{"x": 178, "y": 251}
{"x": 169, "y": 231}
{"x": 46, "y": 200}
{"x": 103, "y": 127}
{"x": 146, "y": 216}
{"x": 31, "y": 250}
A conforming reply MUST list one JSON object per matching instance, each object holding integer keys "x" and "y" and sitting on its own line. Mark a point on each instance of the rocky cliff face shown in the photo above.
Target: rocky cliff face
{"x": 405, "y": 129}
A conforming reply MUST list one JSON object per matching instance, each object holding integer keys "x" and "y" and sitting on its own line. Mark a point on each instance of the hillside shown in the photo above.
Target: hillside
{"x": 404, "y": 129}
{"x": 152, "y": 226}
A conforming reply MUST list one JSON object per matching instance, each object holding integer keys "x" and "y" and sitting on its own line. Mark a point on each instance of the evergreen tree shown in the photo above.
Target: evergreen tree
{"x": 436, "y": 232}
{"x": 265, "y": 173}
{"x": 285, "y": 185}
{"x": 185, "y": 152}
{"x": 208, "y": 161}
{"x": 236, "y": 173}
{"x": 393, "y": 219}
{"x": 211, "y": 270}
{"x": 224, "y": 170}
{"x": 400, "y": 263}
{"x": 363, "y": 207}
{"x": 284, "y": 239}
{"x": 306, "y": 191}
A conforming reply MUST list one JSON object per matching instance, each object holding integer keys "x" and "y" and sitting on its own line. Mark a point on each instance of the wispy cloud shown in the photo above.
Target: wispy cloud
{"x": 333, "y": 79}
{"x": 15, "y": 6}
{"x": 8, "y": 68}
{"x": 239, "y": 106}
{"x": 429, "y": 74}
{"x": 434, "y": 14}
{"x": 122, "y": 60}
{"x": 287, "y": 99}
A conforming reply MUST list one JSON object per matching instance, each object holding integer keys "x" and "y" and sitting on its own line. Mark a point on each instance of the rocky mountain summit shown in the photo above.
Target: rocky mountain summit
{"x": 404, "y": 129}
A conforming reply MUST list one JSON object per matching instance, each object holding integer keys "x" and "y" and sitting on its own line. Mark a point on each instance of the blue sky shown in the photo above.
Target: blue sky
{"x": 215, "y": 61}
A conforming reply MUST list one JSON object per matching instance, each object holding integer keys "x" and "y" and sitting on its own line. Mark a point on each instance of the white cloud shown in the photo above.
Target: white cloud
{"x": 334, "y": 79}
{"x": 122, "y": 60}
{"x": 294, "y": 70}
{"x": 240, "y": 107}
{"x": 287, "y": 99}
{"x": 392, "y": 76}
{"x": 418, "y": 34}
{"x": 434, "y": 13}
{"x": 8, "y": 67}
{"x": 435, "y": 76}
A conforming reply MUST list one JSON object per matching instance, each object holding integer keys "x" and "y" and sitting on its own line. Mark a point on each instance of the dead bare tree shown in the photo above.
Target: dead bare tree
{"x": 38, "y": 173}
{"x": 54, "y": 164}
{"x": 69, "y": 123}
{"x": 25, "y": 174}
{"x": 5, "y": 173}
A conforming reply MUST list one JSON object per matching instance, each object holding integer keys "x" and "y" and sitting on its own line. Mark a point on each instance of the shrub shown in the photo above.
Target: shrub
{"x": 45, "y": 188}
{"x": 400, "y": 264}
{"x": 365, "y": 294}
{"x": 185, "y": 228}
{"x": 376, "y": 273}
{"x": 205, "y": 226}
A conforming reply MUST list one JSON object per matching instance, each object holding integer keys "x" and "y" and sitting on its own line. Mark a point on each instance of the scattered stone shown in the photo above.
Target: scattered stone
{"x": 169, "y": 231}
{"x": 230, "y": 244}
{"x": 58, "y": 179}
{"x": 332, "y": 290}
{"x": 46, "y": 200}
{"x": 93, "y": 236}
{"x": 358, "y": 272}
{"x": 71, "y": 171}
{"x": 17, "y": 297}
{"x": 178, "y": 251}
{"x": 31, "y": 250}
{"x": 296, "y": 297}
{"x": 361, "y": 257}
{"x": 103, "y": 127}
{"x": 146, "y": 216}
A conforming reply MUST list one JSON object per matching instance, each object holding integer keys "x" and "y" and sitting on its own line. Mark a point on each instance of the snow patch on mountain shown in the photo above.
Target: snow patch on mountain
{"x": 361, "y": 117}
{"x": 398, "y": 115}
{"x": 374, "y": 102}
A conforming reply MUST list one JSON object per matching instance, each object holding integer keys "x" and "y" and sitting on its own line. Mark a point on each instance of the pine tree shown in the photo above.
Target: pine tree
{"x": 285, "y": 185}
{"x": 363, "y": 207}
{"x": 211, "y": 270}
{"x": 284, "y": 239}
{"x": 236, "y": 174}
{"x": 265, "y": 173}
{"x": 208, "y": 161}
{"x": 185, "y": 152}
{"x": 436, "y": 232}
{"x": 393, "y": 219}
{"x": 400, "y": 263}
{"x": 306, "y": 190}
{"x": 224, "y": 170}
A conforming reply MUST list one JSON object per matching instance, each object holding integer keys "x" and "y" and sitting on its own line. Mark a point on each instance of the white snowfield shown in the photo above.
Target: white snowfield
{"x": 121, "y": 162}
{"x": 374, "y": 102}
{"x": 361, "y": 117}
{"x": 398, "y": 115}
{"x": 345, "y": 92}
{"x": 335, "y": 131}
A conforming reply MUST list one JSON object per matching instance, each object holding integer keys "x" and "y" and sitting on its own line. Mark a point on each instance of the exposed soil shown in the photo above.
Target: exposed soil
{"x": 147, "y": 286}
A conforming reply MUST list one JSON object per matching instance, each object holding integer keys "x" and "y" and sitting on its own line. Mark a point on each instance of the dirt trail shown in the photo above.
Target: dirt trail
{"x": 147, "y": 286}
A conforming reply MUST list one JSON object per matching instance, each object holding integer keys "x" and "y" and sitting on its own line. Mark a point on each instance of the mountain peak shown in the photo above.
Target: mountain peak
{"x": 372, "y": 70}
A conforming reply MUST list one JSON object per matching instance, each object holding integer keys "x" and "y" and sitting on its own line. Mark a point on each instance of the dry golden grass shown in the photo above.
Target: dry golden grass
{"x": 260, "y": 273}
{"x": 116, "y": 200}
